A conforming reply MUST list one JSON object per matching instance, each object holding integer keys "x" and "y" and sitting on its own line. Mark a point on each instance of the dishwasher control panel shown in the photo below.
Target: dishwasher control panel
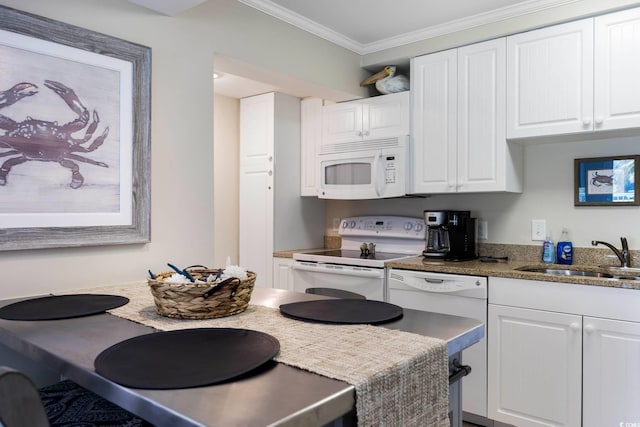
{"x": 455, "y": 284}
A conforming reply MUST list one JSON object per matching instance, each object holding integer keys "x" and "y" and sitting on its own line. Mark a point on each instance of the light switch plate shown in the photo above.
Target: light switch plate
{"x": 538, "y": 229}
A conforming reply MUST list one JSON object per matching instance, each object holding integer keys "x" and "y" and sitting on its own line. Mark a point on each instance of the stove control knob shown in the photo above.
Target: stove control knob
{"x": 352, "y": 224}
{"x": 419, "y": 227}
{"x": 408, "y": 226}
{"x": 344, "y": 224}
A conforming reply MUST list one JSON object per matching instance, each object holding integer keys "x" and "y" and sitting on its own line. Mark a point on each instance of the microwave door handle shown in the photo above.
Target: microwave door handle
{"x": 376, "y": 162}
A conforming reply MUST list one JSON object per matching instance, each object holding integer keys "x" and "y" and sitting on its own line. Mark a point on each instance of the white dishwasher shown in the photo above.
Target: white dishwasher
{"x": 456, "y": 295}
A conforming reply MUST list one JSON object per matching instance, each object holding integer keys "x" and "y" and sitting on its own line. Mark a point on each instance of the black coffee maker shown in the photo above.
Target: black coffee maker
{"x": 457, "y": 229}
{"x": 462, "y": 236}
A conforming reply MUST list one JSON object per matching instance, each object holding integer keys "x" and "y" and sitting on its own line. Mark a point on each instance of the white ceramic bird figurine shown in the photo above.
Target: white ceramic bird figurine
{"x": 387, "y": 81}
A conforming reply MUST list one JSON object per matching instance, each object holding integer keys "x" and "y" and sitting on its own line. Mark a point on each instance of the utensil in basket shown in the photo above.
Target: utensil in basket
{"x": 219, "y": 286}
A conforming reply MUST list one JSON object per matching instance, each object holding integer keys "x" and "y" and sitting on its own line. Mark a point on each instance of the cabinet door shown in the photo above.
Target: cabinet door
{"x": 481, "y": 117}
{"x": 611, "y": 383}
{"x": 341, "y": 123}
{"x": 283, "y": 273}
{"x": 535, "y": 367}
{"x": 386, "y": 116}
{"x": 617, "y": 70}
{"x": 550, "y": 80}
{"x": 434, "y": 127}
{"x": 310, "y": 137}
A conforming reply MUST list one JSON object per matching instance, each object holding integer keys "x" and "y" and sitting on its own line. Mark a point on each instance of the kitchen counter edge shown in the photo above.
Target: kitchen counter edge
{"x": 507, "y": 270}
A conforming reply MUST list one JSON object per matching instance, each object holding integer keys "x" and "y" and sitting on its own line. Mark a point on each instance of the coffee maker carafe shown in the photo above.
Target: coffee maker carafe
{"x": 450, "y": 235}
{"x": 437, "y": 234}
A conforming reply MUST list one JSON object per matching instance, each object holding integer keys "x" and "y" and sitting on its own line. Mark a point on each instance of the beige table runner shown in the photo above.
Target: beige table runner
{"x": 400, "y": 378}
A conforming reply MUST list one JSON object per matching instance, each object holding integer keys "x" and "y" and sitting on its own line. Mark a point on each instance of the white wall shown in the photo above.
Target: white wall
{"x": 182, "y": 176}
{"x": 548, "y": 194}
{"x": 226, "y": 176}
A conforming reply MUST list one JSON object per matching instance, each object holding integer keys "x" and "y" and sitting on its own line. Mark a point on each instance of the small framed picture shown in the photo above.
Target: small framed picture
{"x": 606, "y": 181}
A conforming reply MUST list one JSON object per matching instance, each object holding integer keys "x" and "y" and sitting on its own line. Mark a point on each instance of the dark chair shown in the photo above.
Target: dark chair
{"x": 335, "y": 293}
{"x": 59, "y": 405}
{"x": 20, "y": 404}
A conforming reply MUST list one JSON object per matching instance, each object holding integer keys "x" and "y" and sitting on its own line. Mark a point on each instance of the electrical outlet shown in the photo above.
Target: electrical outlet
{"x": 538, "y": 229}
{"x": 336, "y": 223}
{"x": 483, "y": 230}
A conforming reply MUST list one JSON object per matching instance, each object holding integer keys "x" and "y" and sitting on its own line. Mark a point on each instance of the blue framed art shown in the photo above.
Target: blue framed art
{"x": 606, "y": 181}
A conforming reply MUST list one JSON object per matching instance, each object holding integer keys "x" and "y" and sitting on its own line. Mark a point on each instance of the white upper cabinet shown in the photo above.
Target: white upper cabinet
{"x": 550, "y": 80}
{"x": 378, "y": 117}
{"x": 434, "y": 94}
{"x": 575, "y": 78}
{"x": 617, "y": 70}
{"x": 459, "y": 142}
{"x": 486, "y": 162}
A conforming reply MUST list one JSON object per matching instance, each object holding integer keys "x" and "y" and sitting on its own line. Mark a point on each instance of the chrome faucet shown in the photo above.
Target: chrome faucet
{"x": 623, "y": 255}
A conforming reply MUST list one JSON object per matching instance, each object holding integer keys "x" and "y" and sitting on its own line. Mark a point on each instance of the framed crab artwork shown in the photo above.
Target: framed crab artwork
{"x": 606, "y": 181}
{"x": 74, "y": 136}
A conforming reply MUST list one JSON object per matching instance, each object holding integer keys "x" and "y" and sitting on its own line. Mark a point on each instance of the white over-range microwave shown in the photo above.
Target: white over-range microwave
{"x": 364, "y": 170}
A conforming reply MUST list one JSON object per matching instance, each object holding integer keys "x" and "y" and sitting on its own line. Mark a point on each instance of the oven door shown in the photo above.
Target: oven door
{"x": 367, "y": 281}
{"x": 367, "y": 174}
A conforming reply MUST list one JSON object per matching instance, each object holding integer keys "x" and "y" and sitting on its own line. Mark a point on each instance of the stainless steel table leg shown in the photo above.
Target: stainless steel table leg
{"x": 455, "y": 395}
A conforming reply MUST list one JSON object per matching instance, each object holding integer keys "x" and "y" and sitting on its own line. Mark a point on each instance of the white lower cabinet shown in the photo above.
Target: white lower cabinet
{"x": 534, "y": 367}
{"x": 611, "y": 379}
{"x": 558, "y": 357}
{"x": 283, "y": 273}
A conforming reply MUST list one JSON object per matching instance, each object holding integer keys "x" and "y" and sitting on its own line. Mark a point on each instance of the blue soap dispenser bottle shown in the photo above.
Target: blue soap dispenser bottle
{"x": 548, "y": 251}
{"x": 565, "y": 248}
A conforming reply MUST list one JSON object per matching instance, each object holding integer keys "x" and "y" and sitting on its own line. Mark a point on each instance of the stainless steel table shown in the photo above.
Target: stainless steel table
{"x": 279, "y": 396}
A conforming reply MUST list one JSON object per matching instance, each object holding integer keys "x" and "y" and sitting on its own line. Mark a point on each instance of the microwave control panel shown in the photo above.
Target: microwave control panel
{"x": 390, "y": 170}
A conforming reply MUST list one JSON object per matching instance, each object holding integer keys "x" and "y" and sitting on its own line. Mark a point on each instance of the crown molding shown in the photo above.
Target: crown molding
{"x": 286, "y": 15}
{"x": 466, "y": 23}
{"x": 304, "y": 23}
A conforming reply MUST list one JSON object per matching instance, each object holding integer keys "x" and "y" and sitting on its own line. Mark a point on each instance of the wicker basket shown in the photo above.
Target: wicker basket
{"x": 190, "y": 300}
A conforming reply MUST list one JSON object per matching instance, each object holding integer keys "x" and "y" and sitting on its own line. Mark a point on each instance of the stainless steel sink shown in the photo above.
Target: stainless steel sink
{"x": 566, "y": 272}
{"x": 604, "y": 272}
{"x": 620, "y": 271}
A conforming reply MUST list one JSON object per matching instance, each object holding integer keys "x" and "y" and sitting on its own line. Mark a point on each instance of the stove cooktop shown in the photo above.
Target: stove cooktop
{"x": 395, "y": 237}
{"x": 356, "y": 254}
{"x": 349, "y": 257}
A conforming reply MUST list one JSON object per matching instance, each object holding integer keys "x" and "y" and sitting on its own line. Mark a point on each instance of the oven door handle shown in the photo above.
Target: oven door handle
{"x": 340, "y": 271}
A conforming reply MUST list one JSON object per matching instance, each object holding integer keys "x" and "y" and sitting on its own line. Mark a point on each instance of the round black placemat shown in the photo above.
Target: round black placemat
{"x": 57, "y": 307}
{"x": 344, "y": 311}
{"x": 186, "y": 358}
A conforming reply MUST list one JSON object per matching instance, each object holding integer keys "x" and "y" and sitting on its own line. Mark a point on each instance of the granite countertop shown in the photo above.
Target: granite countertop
{"x": 508, "y": 270}
{"x": 587, "y": 259}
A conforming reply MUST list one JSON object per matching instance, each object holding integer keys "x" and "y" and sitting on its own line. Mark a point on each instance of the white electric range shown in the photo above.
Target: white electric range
{"x": 358, "y": 266}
